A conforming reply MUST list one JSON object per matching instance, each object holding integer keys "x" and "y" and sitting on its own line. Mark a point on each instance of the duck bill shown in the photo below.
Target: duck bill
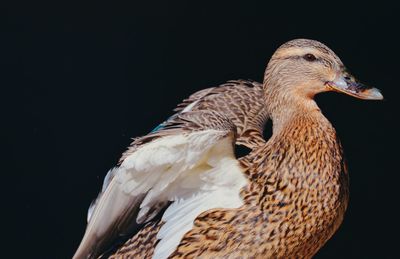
{"x": 349, "y": 85}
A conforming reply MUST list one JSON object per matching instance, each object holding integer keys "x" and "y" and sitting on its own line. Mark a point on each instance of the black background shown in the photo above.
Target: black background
{"x": 79, "y": 80}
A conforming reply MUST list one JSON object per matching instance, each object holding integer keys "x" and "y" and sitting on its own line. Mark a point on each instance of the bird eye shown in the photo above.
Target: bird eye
{"x": 310, "y": 57}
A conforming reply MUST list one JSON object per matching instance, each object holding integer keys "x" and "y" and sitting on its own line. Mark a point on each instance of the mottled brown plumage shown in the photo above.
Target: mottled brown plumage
{"x": 288, "y": 213}
{"x": 285, "y": 209}
{"x": 297, "y": 189}
{"x": 240, "y": 101}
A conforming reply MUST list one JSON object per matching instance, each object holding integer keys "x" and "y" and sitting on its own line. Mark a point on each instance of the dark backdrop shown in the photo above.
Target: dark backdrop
{"x": 79, "y": 80}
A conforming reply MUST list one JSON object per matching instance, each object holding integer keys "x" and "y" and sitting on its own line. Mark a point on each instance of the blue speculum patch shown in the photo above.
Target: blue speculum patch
{"x": 160, "y": 126}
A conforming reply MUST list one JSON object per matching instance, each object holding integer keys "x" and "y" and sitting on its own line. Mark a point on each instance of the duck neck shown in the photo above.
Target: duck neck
{"x": 287, "y": 107}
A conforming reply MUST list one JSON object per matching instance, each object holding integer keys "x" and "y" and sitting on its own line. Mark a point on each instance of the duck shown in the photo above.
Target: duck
{"x": 181, "y": 192}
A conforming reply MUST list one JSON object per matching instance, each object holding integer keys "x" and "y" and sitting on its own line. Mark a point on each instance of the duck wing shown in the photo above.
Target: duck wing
{"x": 187, "y": 166}
{"x": 242, "y": 101}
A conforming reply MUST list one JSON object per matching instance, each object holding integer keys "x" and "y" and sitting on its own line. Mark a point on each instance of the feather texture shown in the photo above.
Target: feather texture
{"x": 180, "y": 163}
{"x": 173, "y": 164}
{"x": 295, "y": 189}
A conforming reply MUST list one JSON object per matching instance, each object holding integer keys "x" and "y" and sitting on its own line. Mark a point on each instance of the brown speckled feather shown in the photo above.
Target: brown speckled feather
{"x": 241, "y": 101}
{"x": 298, "y": 188}
{"x": 295, "y": 189}
{"x": 285, "y": 209}
{"x": 225, "y": 108}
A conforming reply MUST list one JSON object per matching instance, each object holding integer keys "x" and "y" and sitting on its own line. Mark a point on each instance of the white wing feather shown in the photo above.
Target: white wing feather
{"x": 195, "y": 171}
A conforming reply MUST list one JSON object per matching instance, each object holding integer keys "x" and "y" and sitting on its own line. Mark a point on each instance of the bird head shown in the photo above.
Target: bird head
{"x": 305, "y": 68}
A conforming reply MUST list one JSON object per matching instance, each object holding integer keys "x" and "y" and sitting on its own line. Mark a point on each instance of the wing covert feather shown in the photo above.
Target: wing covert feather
{"x": 159, "y": 171}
